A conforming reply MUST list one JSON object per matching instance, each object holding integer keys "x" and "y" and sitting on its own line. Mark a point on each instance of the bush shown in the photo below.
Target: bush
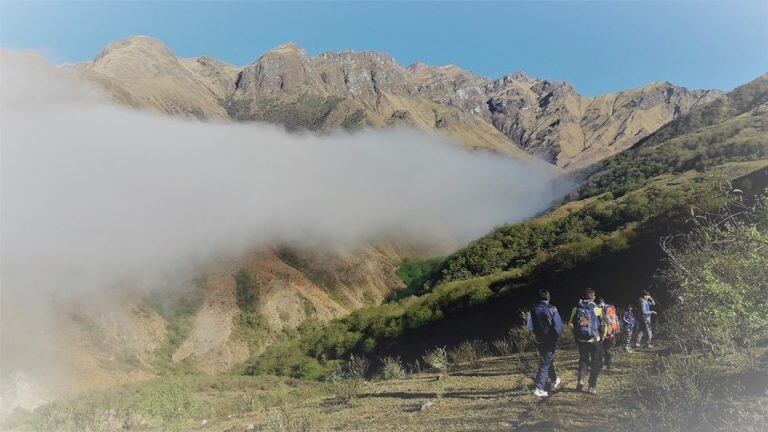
{"x": 469, "y": 352}
{"x": 502, "y": 346}
{"x": 392, "y": 368}
{"x": 521, "y": 339}
{"x": 281, "y": 419}
{"x": 173, "y": 402}
{"x": 245, "y": 290}
{"x": 357, "y": 367}
{"x": 346, "y": 381}
{"x": 719, "y": 272}
{"x": 437, "y": 359}
{"x": 343, "y": 387}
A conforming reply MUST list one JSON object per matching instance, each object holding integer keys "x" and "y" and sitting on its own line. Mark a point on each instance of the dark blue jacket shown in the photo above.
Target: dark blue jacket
{"x": 629, "y": 320}
{"x": 544, "y": 321}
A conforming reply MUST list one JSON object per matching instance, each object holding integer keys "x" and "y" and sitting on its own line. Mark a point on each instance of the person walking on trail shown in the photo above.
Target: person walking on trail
{"x": 589, "y": 330}
{"x": 613, "y": 328}
{"x": 629, "y": 325}
{"x": 646, "y": 302}
{"x": 546, "y": 325}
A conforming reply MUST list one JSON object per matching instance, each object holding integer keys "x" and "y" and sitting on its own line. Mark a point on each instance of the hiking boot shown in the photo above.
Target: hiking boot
{"x": 556, "y": 385}
{"x": 540, "y": 393}
{"x": 592, "y": 390}
{"x": 650, "y": 345}
{"x": 580, "y": 386}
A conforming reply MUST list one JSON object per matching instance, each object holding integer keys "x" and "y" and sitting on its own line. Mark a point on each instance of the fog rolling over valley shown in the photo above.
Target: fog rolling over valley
{"x": 102, "y": 203}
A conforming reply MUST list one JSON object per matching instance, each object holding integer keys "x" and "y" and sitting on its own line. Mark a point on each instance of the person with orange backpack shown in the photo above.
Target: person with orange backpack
{"x": 613, "y": 330}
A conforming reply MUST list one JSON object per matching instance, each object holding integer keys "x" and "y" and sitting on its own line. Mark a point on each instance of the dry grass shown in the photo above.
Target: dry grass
{"x": 494, "y": 394}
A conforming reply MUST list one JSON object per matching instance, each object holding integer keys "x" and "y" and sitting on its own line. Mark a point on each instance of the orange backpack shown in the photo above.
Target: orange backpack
{"x": 612, "y": 320}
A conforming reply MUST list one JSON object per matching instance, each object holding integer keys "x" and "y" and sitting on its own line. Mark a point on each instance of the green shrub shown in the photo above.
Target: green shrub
{"x": 245, "y": 290}
{"x": 469, "y": 352}
{"x": 718, "y": 270}
{"x": 437, "y": 359}
{"x": 172, "y": 401}
{"x": 346, "y": 381}
{"x": 521, "y": 339}
{"x": 391, "y": 368}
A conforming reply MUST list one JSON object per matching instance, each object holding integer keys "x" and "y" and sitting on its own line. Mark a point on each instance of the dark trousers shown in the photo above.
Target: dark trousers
{"x": 590, "y": 353}
{"x": 608, "y": 351}
{"x": 546, "y": 363}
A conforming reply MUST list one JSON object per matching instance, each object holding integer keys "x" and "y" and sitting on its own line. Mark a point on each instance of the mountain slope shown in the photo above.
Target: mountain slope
{"x": 142, "y": 72}
{"x": 609, "y": 229}
{"x": 551, "y": 120}
{"x": 514, "y": 115}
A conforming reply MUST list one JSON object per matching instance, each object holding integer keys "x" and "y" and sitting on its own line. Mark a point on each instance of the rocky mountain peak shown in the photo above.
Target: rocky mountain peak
{"x": 138, "y": 45}
{"x": 288, "y": 48}
{"x": 514, "y": 113}
{"x": 417, "y": 67}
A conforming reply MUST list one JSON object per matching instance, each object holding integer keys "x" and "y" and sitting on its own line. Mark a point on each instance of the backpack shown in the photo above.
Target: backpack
{"x": 543, "y": 322}
{"x": 586, "y": 326}
{"x": 611, "y": 320}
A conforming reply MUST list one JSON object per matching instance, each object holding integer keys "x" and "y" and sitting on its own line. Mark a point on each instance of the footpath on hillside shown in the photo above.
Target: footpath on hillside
{"x": 492, "y": 395}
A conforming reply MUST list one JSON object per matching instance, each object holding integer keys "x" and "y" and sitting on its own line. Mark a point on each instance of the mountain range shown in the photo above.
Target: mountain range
{"x": 515, "y": 115}
{"x": 660, "y": 137}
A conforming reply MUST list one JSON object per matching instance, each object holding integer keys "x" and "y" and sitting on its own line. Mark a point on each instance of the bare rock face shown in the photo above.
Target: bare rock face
{"x": 516, "y": 115}
{"x": 553, "y": 121}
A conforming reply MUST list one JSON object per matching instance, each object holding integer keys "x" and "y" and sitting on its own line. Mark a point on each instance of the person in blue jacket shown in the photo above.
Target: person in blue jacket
{"x": 645, "y": 303}
{"x": 545, "y": 323}
{"x": 629, "y": 325}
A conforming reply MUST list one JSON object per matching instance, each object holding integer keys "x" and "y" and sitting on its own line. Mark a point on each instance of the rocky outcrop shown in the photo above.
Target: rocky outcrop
{"x": 516, "y": 115}
{"x": 552, "y": 121}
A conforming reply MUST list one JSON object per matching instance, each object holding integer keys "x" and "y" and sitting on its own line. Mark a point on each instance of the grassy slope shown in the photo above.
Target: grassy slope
{"x": 608, "y": 231}
{"x": 492, "y": 395}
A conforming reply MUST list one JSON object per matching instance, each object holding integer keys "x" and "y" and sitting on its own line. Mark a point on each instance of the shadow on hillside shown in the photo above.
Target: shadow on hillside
{"x": 478, "y": 394}
{"x": 483, "y": 373}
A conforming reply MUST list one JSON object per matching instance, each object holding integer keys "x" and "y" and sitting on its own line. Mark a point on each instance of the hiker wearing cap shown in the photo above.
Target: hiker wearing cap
{"x": 645, "y": 303}
{"x": 589, "y": 330}
{"x": 545, "y": 323}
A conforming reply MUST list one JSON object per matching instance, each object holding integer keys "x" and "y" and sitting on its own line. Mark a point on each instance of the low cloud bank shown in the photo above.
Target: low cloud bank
{"x": 96, "y": 196}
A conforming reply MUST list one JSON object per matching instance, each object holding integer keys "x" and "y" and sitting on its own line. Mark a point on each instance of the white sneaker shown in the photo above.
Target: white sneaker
{"x": 592, "y": 390}
{"x": 556, "y": 384}
{"x": 540, "y": 393}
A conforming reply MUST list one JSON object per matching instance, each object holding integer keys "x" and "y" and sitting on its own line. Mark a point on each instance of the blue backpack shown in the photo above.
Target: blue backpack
{"x": 586, "y": 324}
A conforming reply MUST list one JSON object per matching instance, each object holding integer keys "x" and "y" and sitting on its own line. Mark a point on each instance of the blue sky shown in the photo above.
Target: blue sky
{"x": 597, "y": 46}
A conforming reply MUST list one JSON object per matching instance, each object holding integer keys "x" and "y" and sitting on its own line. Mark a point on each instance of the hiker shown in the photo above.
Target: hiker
{"x": 589, "y": 329}
{"x": 629, "y": 325}
{"x": 613, "y": 329}
{"x": 644, "y": 317}
{"x": 546, "y": 325}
